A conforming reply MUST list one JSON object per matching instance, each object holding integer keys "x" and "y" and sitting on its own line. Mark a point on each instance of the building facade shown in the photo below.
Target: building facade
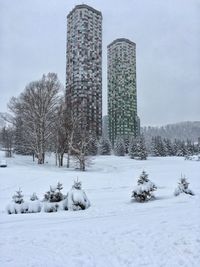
{"x": 84, "y": 66}
{"x": 122, "y": 89}
{"x": 105, "y": 132}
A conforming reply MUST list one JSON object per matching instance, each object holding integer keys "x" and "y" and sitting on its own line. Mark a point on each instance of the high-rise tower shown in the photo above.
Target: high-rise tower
{"x": 122, "y": 93}
{"x": 84, "y": 66}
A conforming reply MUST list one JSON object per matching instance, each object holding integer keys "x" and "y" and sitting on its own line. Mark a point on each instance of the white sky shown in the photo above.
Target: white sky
{"x": 166, "y": 32}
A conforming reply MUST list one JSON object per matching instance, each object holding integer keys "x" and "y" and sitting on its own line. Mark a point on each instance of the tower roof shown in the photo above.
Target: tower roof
{"x": 120, "y": 40}
{"x": 84, "y": 6}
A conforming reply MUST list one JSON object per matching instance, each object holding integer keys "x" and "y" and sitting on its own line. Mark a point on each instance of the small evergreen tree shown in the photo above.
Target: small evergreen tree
{"x": 137, "y": 148}
{"x": 119, "y": 146}
{"x": 168, "y": 147}
{"x": 76, "y": 198}
{"x": 104, "y": 146}
{"x": 18, "y": 197}
{"x": 190, "y": 148}
{"x": 144, "y": 189}
{"x": 132, "y": 147}
{"x": 54, "y": 194}
{"x": 183, "y": 187}
{"x": 33, "y": 197}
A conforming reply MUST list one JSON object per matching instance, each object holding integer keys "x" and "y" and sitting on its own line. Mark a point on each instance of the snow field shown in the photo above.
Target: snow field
{"x": 114, "y": 231}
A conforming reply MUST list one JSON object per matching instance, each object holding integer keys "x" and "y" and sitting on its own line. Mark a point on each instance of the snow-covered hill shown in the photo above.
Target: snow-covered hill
{"x": 113, "y": 232}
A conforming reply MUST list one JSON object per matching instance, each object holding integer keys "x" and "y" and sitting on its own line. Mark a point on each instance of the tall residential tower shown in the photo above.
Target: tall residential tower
{"x": 122, "y": 93}
{"x": 84, "y": 66}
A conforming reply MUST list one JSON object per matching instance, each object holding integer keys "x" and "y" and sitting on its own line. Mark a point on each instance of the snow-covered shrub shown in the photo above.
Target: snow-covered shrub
{"x": 18, "y": 197}
{"x": 34, "y": 205}
{"x": 33, "y": 197}
{"x": 183, "y": 187}
{"x": 16, "y": 206}
{"x": 76, "y": 198}
{"x": 13, "y": 208}
{"x": 52, "y": 198}
{"x": 144, "y": 189}
{"x": 54, "y": 194}
{"x": 51, "y": 207}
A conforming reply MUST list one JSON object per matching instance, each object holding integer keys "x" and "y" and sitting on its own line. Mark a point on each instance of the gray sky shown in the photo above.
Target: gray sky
{"x": 166, "y": 32}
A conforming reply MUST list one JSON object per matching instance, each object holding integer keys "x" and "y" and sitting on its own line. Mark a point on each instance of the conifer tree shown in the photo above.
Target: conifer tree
{"x": 33, "y": 197}
{"x": 119, "y": 146}
{"x": 54, "y": 194}
{"x": 144, "y": 189}
{"x": 104, "y": 146}
{"x": 137, "y": 148}
{"x": 183, "y": 187}
{"x": 76, "y": 198}
{"x": 18, "y": 197}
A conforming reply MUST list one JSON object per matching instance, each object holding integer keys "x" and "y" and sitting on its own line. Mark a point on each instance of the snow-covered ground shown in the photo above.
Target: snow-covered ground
{"x": 113, "y": 232}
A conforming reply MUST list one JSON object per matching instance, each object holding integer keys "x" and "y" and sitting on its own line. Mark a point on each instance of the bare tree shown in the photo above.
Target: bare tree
{"x": 37, "y": 106}
{"x": 80, "y": 148}
{"x": 7, "y": 140}
{"x": 61, "y": 135}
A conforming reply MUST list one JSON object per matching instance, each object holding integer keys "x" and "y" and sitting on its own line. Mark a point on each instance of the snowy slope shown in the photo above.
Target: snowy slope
{"x": 114, "y": 231}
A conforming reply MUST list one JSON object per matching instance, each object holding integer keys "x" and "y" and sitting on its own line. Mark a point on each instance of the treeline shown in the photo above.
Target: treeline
{"x": 39, "y": 122}
{"x": 182, "y": 131}
{"x": 139, "y": 148}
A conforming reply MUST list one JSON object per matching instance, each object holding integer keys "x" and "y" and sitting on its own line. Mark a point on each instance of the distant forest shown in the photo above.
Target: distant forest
{"x": 182, "y": 131}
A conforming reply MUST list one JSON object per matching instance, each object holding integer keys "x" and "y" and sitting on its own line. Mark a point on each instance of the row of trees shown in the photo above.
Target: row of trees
{"x": 138, "y": 148}
{"x": 40, "y": 121}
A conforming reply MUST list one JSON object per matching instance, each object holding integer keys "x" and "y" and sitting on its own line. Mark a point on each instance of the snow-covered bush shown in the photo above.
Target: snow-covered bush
{"x": 33, "y": 197}
{"x": 183, "y": 187}
{"x": 194, "y": 157}
{"x": 144, "y": 189}
{"x": 50, "y": 207}
{"x": 34, "y": 205}
{"x": 52, "y": 198}
{"x": 76, "y": 198}
{"x": 16, "y": 206}
{"x": 54, "y": 194}
{"x": 18, "y": 197}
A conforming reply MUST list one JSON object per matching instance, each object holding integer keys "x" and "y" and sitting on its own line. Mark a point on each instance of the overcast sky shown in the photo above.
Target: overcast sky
{"x": 167, "y": 37}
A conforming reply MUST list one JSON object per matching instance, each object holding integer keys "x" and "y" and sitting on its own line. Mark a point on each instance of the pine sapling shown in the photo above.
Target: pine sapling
{"x": 144, "y": 189}
{"x": 76, "y": 198}
{"x": 183, "y": 187}
{"x": 54, "y": 194}
{"x": 18, "y": 197}
{"x": 33, "y": 197}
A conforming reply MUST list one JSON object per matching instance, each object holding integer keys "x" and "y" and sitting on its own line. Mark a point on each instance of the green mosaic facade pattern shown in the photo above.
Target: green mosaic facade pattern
{"x": 122, "y": 92}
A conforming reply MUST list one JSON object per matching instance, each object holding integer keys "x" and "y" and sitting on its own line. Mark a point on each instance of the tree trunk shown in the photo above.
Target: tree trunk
{"x": 68, "y": 158}
{"x": 82, "y": 163}
{"x": 56, "y": 156}
{"x": 40, "y": 158}
{"x": 61, "y": 159}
